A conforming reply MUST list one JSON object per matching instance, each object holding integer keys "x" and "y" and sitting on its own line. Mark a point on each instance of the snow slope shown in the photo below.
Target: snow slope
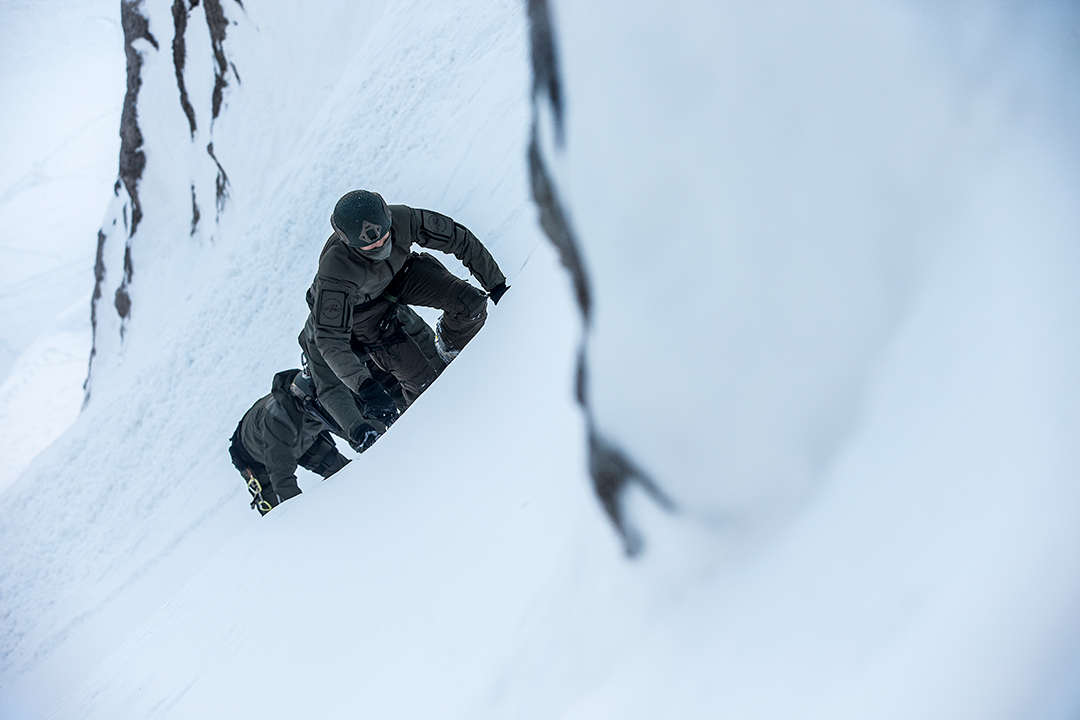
{"x": 62, "y": 79}
{"x": 117, "y": 517}
{"x": 879, "y": 522}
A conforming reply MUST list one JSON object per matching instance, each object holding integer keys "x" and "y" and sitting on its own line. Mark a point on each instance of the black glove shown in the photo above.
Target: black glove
{"x": 498, "y": 291}
{"x": 363, "y": 437}
{"x": 377, "y": 403}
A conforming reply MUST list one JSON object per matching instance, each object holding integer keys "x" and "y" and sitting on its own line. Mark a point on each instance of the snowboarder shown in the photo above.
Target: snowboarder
{"x": 280, "y": 431}
{"x": 367, "y": 270}
{"x": 366, "y": 414}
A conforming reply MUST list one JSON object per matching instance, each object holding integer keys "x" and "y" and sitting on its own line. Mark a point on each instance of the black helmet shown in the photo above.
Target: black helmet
{"x": 302, "y": 386}
{"x": 361, "y": 217}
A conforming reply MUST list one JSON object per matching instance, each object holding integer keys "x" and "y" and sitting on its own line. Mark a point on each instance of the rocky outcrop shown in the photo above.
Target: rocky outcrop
{"x": 136, "y": 23}
{"x": 610, "y": 467}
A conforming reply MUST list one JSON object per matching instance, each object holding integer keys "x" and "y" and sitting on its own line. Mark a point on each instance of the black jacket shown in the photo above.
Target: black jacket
{"x": 276, "y": 432}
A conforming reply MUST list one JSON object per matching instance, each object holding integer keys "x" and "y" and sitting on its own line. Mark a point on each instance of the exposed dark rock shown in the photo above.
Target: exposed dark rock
{"x": 132, "y": 158}
{"x": 194, "y": 211}
{"x": 222, "y": 180}
{"x": 180, "y": 17}
{"x": 612, "y": 473}
{"x": 131, "y": 166}
{"x": 99, "y": 276}
{"x": 611, "y": 468}
{"x": 581, "y": 384}
{"x": 545, "y": 62}
{"x": 122, "y": 302}
{"x": 218, "y": 24}
{"x": 555, "y": 224}
{"x": 99, "y": 280}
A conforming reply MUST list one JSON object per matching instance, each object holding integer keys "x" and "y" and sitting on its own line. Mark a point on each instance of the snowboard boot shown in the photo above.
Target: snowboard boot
{"x": 446, "y": 351}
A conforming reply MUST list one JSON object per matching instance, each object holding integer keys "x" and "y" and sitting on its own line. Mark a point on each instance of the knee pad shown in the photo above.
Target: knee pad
{"x": 473, "y": 302}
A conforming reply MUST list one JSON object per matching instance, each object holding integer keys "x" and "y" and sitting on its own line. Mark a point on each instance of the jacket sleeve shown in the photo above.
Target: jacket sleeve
{"x": 335, "y": 398}
{"x": 281, "y": 438}
{"x": 331, "y": 319}
{"x": 441, "y": 233}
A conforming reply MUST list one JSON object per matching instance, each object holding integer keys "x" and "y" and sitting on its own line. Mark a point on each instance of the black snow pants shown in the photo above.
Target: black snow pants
{"x": 425, "y": 282}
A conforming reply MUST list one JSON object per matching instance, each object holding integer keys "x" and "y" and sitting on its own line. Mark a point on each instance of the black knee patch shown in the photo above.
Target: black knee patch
{"x": 321, "y": 455}
{"x": 473, "y": 302}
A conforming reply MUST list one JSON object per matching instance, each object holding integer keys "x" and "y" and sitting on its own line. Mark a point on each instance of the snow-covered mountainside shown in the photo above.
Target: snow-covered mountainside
{"x": 61, "y": 80}
{"x": 792, "y": 303}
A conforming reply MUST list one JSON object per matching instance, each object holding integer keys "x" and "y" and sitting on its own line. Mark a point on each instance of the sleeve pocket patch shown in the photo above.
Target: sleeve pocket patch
{"x": 331, "y": 312}
{"x": 436, "y": 224}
